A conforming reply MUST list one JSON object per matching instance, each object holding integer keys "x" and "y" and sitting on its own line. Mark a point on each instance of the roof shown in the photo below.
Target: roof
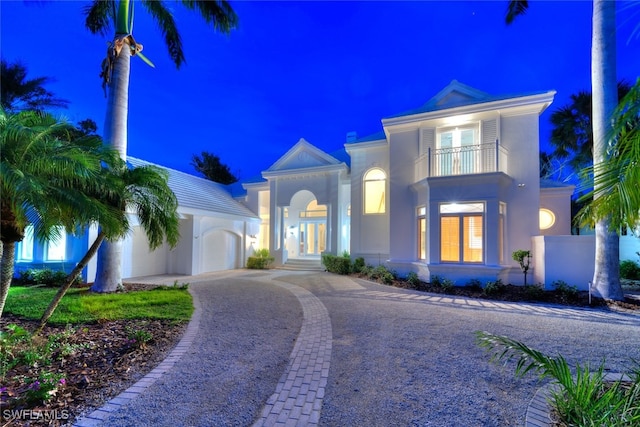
{"x": 549, "y": 183}
{"x": 457, "y": 94}
{"x": 373, "y": 137}
{"x": 199, "y": 193}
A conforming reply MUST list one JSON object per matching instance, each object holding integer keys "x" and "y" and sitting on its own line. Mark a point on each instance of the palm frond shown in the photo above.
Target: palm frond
{"x": 100, "y": 16}
{"x": 516, "y": 8}
{"x": 19, "y": 93}
{"x": 218, "y": 13}
{"x": 155, "y": 204}
{"x": 167, "y": 25}
{"x": 614, "y": 193}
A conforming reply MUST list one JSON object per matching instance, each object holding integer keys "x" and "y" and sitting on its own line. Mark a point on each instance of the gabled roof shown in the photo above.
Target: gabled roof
{"x": 457, "y": 94}
{"x": 303, "y": 155}
{"x": 369, "y": 138}
{"x": 200, "y": 194}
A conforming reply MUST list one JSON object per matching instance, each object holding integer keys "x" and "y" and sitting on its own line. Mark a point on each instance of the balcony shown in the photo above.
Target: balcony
{"x": 466, "y": 160}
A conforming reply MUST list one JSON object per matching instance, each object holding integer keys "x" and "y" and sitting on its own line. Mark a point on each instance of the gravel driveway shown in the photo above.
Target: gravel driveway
{"x": 398, "y": 357}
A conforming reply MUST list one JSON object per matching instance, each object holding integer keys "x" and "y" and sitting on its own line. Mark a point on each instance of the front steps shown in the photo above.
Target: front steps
{"x": 303, "y": 264}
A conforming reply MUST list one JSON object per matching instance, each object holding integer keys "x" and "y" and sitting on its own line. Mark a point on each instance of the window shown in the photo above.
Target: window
{"x": 314, "y": 210}
{"x": 57, "y": 246}
{"x": 25, "y": 247}
{"x": 457, "y": 151}
{"x": 547, "y": 219}
{"x": 501, "y": 230}
{"x": 375, "y": 183}
{"x": 422, "y": 233}
{"x": 462, "y": 232}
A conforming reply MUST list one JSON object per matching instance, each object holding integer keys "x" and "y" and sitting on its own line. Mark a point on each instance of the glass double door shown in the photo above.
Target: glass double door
{"x": 313, "y": 237}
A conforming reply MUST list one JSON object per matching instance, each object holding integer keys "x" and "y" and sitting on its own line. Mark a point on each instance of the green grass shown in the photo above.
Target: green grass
{"x": 80, "y": 306}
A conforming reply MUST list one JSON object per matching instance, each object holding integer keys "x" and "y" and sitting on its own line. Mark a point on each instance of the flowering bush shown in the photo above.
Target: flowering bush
{"x": 44, "y": 387}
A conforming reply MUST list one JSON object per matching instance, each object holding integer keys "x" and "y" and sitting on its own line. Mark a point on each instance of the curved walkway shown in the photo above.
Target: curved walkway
{"x": 299, "y": 394}
{"x": 306, "y": 377}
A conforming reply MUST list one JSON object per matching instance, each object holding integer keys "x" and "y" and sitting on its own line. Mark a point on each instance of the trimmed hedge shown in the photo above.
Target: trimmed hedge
{"x": 259, "y": 263}
{"x": 336, "y": 264}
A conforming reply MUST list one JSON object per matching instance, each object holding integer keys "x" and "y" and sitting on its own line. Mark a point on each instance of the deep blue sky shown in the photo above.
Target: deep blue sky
{"x": 307, "y": 69}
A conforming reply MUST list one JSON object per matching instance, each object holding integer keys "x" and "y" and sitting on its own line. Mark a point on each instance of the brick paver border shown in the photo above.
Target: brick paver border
{"x": 297, "y": 400}
{"x": 97, "y": 417}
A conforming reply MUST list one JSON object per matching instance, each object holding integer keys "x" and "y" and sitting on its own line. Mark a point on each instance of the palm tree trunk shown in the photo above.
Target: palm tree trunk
{"x": 606, "y": 278}
{"x": 69, "y": 280}
{"x": 109, "y": 273}
{"x": 8, "y": 250}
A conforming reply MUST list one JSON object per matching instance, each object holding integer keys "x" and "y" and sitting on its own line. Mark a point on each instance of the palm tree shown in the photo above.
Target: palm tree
{"x": 17, "y": 93}
{"x": 101, "y": 17}
{"x": 619, "y": 174}
{"x": 42, "y": 165}
{"x": 210, "y": 166}
{"x": 143, "y": 190}
{"x": 606, "y": 278}
{"x": 572, "y": 133}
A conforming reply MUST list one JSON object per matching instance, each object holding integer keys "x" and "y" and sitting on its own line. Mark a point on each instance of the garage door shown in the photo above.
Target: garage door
{"x": 221, "y": 251}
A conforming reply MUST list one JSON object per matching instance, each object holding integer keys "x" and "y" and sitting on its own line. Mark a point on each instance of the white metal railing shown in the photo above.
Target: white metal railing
{"x": 471, "y": 159}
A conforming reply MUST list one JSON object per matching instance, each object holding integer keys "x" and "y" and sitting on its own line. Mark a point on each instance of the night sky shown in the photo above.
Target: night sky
{"x": 315, "y": 70}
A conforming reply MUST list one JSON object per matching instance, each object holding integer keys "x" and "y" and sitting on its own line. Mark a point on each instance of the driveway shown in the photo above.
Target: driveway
{"x": 293, "y": 348}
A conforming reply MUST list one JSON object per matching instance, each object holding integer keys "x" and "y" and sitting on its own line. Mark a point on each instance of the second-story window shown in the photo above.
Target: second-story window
{"x": 375, "y": 185}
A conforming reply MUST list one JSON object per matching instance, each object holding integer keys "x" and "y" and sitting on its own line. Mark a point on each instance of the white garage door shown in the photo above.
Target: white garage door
{"x": 221, "y": 251}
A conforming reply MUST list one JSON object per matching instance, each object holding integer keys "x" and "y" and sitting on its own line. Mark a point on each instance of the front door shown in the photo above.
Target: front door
{"x": 313, "y": 238}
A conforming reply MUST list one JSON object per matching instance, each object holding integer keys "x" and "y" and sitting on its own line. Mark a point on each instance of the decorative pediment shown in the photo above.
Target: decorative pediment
{"x": 303, "y": 155}
{"x": 456, "y": 93}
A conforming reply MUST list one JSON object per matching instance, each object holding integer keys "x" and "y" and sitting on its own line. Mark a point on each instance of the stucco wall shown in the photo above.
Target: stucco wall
{"x": 369, "y": 233}
{"x": 567, "y": 258}
{"x": 519, "y": 135}
{"x": 403, "y": 150}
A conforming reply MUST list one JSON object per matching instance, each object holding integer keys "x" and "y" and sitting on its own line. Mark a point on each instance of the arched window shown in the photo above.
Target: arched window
{"x": 375, "y": 184}
{"x": 57, "y": 247}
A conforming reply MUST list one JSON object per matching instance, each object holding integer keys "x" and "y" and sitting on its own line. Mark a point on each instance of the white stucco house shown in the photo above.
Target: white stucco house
{"x": 451, "y": 188}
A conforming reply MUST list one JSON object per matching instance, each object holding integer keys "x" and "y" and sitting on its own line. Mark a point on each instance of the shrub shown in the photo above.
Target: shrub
{"x": 474, "y": 284}
{"x": 447, "y": 285}
{"x": 413, "y": 279}
{"x": 629, "y": 270}
{"x": 43, "y": 276}
{"x": 566, "y": 291}
{"x": 383, "y": 274}
{"x": 336, "y": 264}
{"x": 534, "y": 292}
{"x": 494, "y": 288}
{"x": 441, "y": 283}
{"x": 436, "y": 280}
{"x": 44, "y": 387}
{"x": 358, "y": 265}
{"x": 260, "y": 260}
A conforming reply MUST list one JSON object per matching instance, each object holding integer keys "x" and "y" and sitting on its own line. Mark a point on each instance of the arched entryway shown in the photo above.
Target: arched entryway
{"x": 306, "y": 226}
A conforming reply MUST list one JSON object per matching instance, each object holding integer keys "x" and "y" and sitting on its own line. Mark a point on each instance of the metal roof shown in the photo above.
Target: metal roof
{"x": 199, "y": 193}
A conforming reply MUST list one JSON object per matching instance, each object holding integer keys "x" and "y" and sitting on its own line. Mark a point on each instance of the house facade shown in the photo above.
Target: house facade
{"x": 450, "y": 189}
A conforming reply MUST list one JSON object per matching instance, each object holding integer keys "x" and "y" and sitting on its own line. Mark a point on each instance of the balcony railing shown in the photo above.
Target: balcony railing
{"x": 470, "y": 159}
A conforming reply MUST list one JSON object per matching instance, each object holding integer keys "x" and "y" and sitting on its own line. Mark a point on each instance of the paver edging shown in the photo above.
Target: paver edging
{"x": 97, "y": 416}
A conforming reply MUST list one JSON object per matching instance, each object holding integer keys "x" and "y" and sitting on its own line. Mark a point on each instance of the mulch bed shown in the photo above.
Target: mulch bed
{"x": 106, "y": 361}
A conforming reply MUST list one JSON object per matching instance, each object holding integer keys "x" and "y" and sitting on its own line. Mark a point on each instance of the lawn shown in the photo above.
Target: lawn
{"x": 81, "y": 306}
{"x": 94, "y": 346}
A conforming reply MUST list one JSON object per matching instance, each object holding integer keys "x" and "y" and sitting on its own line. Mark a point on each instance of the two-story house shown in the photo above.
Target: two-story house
{"x": 451, "y": 188}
